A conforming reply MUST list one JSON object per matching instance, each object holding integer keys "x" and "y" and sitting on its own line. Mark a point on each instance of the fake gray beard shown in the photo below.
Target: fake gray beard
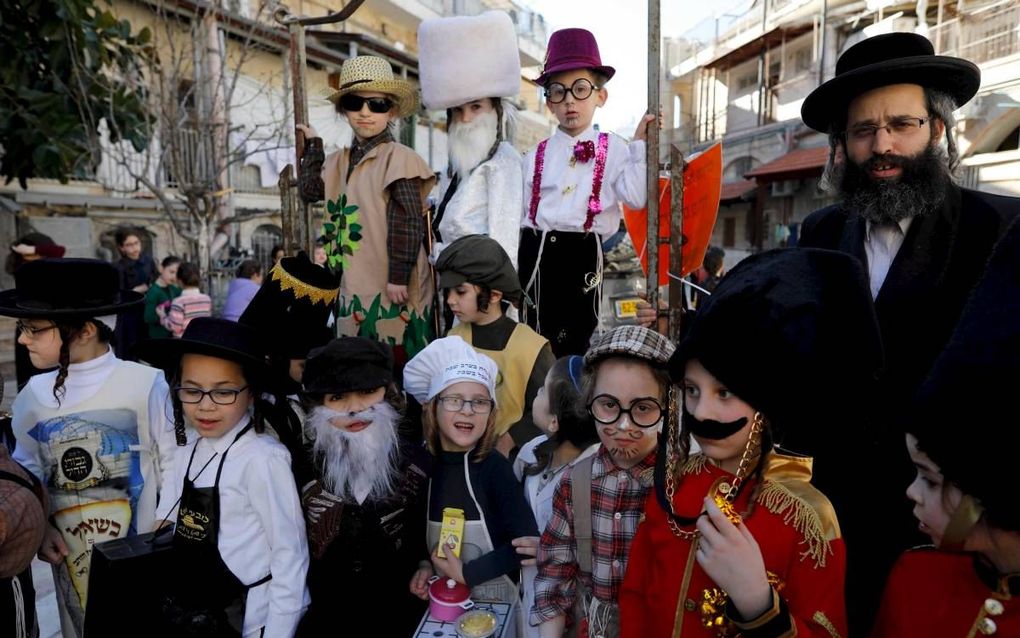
{"x": 357, "y": 465}
{"x": 469, "y": 144}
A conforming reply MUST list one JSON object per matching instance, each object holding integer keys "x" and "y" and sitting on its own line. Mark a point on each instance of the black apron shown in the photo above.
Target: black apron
{"x": 207, "y": 599}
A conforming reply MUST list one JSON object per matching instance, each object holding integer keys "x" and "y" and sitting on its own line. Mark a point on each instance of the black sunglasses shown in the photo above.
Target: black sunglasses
{"x": 353, "y": 103}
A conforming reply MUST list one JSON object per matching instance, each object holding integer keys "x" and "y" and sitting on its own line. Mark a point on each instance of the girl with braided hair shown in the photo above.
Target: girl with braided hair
{"x": 240, "y": 553}
{"x": 93, "y": 429}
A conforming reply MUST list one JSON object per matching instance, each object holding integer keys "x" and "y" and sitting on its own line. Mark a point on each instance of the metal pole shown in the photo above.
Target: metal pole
{"x": 676, "y": 233}
{"x": 652, "y": 158}
{"x": 762, "y": 70}
{"x": 821, "y": 49}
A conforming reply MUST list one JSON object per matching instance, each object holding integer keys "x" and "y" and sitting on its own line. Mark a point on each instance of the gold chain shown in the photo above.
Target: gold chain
{"x": 723, "y": 500}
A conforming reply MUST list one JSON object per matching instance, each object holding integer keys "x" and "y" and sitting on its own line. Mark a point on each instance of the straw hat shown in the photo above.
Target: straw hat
{"x": 365, "y": 73}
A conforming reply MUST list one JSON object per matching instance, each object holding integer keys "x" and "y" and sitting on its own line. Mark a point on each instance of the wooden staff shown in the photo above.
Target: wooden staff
{"x": 295, "y": 212}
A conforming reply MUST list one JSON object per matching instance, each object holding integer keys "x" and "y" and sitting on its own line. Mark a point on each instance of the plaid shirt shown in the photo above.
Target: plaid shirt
{"x": 404, "y": 220}
{"x": 618, "y": 499}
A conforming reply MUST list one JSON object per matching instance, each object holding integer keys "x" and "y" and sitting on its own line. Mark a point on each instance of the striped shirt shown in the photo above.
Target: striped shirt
{"x": 190, "y": 304}
{"x": 617, "y": 503}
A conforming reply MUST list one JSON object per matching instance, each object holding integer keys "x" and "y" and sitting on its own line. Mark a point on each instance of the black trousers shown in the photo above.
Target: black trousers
{"x": 564, "y": 289}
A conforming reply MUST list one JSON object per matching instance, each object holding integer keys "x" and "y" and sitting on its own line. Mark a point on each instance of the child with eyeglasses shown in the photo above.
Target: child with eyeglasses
{"x": 93, "y": 428}
{"x": 574, "y": 183}
{"x": 736, "y": 540}
{"x": 374, "y": 227}
{"x": 457, "y": 389}
{"x": 239, "y": 546}
{"x": 582, "y": 555}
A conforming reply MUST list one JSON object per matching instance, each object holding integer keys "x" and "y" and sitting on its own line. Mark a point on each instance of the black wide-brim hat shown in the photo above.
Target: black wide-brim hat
{"x": 792, "y": 332}
{"x": 212, "y": 337}
{"x": 348, "y": 364}
{"x": 891, "y": 58}
{"x": 66, "y": 288}
{"x": 964, "y": 414}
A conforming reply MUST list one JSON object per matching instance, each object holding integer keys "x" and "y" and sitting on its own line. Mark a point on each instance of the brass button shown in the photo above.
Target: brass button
{"x": 987, "y": 626}
{"x": 994, "y": 607}
{"x": 690, "y": 605}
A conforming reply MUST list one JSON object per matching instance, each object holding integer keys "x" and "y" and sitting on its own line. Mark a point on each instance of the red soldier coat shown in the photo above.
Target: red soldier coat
{"x": 667, "y": 594}
{"x": 951, "y": 595}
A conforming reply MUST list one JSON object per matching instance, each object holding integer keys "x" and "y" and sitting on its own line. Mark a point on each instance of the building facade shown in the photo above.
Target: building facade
{"x": 243, "y": 89}
{"x": 746, "y": 73}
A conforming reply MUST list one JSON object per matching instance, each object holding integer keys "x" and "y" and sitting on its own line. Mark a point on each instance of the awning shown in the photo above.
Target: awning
{"x": 797, "y": 164}
{"x": 734, "y": 190}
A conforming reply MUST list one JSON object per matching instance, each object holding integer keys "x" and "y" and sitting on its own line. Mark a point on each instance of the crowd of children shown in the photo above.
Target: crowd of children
{"x": 601, "y": 485}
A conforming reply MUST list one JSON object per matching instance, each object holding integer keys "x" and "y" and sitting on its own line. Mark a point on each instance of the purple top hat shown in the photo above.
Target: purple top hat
{"x": 571, "y": 49}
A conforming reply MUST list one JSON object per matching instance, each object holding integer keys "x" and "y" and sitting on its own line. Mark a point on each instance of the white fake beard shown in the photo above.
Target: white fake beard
{"x": 357, "y": 465}
{"x": 469, "y": 144}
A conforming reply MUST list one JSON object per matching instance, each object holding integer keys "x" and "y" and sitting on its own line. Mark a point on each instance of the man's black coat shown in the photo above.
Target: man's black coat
{"x": 861, "y": 463}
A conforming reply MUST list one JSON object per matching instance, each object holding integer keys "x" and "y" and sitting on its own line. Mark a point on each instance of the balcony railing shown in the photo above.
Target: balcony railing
{"x": 983, "y": 31}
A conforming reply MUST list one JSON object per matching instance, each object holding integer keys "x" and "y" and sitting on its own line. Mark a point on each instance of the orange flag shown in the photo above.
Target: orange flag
{"x": 702, "y": 187}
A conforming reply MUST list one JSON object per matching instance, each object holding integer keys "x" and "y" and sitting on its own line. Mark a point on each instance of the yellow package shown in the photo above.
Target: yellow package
{"x": 452, "y": 530}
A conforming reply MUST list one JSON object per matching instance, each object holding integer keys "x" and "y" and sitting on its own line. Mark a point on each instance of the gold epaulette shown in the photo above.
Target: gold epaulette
{"x": 694, "y": 465}
{"x": 799, "y": 514}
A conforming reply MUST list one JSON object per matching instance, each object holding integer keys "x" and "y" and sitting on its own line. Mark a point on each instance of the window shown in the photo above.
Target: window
{"x": 1010, "y": 142}
{"x": 736, "y": 169}
{"x": 802, "y": 60}
{"x": 263, "y": 240}
{"x": 747, "y": 80}
{"x": 729, "y": 232}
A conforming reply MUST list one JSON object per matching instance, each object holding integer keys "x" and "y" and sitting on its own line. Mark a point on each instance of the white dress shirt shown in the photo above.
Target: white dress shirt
{"x": 881, "y": 243}
{"x": 565, "y": 189}
{"x": 261, "y": 528}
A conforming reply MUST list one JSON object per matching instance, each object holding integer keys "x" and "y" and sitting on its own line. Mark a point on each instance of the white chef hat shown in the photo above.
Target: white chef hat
{"x": 444, "y": 362}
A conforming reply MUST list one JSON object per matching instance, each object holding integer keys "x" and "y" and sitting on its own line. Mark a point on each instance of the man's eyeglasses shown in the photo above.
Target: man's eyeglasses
{"x": 606, "y": 409}
{"x": 897, "y": 127}
{"x": 456, "y": 404}
{"x": 32, "y": 333}
{"x": 353, "y": 103}
{"x": 580, "y": 89}
{"x": 219, "y": 396}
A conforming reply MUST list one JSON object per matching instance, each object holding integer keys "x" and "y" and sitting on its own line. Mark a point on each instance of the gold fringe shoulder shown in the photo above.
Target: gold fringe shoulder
{"x": 806, "y": 510}
{"x": 694, "y": 464}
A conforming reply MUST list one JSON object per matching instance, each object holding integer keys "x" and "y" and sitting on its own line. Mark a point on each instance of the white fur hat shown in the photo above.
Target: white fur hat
{"x": 444, "y": 362}
{"x": 466, "y": 58}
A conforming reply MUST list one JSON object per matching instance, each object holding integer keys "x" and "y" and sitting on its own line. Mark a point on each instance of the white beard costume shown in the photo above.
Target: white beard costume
{"x": 462, "y": 59}
{"x": 489, "y": 199}
{"x": 357, "y": 465}
{"x": 469, "y": 144}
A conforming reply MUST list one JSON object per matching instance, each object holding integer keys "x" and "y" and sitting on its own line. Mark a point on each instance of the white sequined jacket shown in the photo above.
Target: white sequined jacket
{"x": 488, "y": 202}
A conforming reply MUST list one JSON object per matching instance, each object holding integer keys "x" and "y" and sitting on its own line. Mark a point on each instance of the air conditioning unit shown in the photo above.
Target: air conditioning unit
{"x": 785, "y": 188}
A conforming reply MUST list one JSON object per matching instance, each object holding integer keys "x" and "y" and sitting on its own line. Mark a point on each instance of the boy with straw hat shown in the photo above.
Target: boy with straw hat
{"x": 375, "y": 194}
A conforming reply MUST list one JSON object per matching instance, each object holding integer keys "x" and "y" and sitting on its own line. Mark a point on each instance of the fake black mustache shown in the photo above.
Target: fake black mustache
{"x": 713, "y": 430}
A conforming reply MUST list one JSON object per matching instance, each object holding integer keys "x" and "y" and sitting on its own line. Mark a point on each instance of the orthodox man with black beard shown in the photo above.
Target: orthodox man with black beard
{"x": 364, "y": 505}
{"x": 470, "y": 66}
{"x": 924, "y": 241}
